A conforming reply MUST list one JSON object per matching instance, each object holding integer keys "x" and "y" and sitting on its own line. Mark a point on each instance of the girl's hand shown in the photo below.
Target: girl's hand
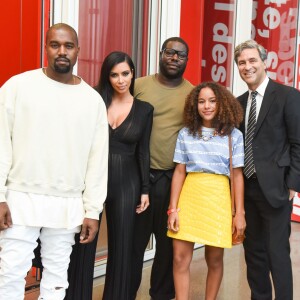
{"x": 144, "y": 204}
{"x": 239, "y": 223}
{"x": 173, "y": 221}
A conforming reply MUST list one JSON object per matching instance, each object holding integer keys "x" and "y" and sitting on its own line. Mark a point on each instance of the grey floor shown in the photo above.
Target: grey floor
{"x": 234, "y": 285}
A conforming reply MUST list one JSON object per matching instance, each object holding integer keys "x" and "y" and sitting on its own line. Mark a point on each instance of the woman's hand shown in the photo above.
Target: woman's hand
{"x": 239, "y": 223}
{"x": 173, "y": 221}
{"x": 144, "y": 204}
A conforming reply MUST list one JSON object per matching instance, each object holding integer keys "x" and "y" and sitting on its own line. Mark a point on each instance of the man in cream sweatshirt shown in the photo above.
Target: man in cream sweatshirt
{"x": 53, "y": 167}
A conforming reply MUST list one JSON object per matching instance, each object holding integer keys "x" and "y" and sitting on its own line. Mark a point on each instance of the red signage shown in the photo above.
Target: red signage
{"x": 218, "y": 41}
{"x": 274, "y": 25}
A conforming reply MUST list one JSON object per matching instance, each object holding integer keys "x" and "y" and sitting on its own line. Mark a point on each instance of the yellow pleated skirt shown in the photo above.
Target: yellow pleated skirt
{"x": 205, "y": 210}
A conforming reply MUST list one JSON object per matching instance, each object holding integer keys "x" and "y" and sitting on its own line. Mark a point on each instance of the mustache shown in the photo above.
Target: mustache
{"x": 174, "y": 65}
{"x": 62, "y": 59}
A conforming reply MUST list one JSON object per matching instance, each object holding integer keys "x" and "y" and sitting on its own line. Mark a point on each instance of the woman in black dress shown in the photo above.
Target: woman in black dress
{"x": 130, "y": 123}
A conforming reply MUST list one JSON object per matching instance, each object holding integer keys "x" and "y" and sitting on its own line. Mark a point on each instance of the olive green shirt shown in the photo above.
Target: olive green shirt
{"x": 167, "y": 119}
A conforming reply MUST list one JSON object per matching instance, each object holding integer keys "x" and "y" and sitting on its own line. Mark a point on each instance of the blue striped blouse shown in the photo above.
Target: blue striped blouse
{"x": 209, "y": 154}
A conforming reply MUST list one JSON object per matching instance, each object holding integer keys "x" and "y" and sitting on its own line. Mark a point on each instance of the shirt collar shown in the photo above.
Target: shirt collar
{"x": 262, "y": 88}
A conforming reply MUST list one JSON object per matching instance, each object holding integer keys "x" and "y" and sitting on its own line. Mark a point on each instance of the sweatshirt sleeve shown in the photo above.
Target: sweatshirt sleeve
{"x": 95, "y": 191}
{"x": 7, "y": 100}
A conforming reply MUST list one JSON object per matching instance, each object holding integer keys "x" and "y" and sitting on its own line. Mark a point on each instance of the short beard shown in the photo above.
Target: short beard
{"x": 62, "y": 70}
{"x": 164, "y": 71}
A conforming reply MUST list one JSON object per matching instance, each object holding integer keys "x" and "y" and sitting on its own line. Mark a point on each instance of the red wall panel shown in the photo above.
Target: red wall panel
{"x": 31, "y": 22}
{"x": 191, "y": 30}
{"x": 21, "y": 27}
{"x": 10, "y": 24}
{"x": 103, "y": 26}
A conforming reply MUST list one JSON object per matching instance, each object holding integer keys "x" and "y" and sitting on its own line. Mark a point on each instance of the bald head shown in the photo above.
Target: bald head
{"x": 63, "y": 26}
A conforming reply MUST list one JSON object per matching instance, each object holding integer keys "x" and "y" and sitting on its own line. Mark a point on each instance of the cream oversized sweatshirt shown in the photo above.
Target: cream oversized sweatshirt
{"x": 53, "y": 140}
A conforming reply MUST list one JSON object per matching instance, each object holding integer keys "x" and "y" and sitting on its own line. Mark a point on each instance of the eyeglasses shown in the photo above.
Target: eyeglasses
{"x": 169, "y": 52}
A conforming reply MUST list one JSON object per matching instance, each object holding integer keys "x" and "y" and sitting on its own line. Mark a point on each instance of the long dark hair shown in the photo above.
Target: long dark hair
{"x": 104, "y": 87}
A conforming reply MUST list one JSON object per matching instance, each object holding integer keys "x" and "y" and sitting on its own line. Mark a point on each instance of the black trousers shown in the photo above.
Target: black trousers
{"x": 81, "y": 269}
{"x": 154, "y": 220}
{"x": 267, "y": 247}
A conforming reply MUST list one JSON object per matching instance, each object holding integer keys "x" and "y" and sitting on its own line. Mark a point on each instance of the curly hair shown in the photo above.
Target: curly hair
{"x": 229, "y": 111}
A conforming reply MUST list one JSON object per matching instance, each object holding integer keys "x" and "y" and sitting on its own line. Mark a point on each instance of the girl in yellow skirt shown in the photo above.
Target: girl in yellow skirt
{"x": 200, "y": 205}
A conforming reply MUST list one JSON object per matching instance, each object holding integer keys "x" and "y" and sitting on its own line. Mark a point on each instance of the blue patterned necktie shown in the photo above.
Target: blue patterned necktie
{"x": 249, "y": 162}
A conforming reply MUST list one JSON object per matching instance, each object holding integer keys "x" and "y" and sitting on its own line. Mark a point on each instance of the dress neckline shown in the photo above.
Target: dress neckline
{"x": 129, "y": 113}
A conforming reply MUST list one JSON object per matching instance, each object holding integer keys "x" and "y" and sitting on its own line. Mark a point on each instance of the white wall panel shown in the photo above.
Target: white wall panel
{"x": 164, "y": 22}
{"x": 243, "y": 33}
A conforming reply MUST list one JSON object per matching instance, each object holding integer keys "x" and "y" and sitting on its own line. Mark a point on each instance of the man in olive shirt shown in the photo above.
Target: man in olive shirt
{"x": 166, "y": 91}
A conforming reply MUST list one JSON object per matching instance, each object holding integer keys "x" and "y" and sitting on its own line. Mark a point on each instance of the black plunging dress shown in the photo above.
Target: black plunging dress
{"x": 128, "y": 178}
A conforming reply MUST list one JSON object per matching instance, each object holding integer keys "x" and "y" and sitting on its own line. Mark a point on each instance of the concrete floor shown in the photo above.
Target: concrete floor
{"x": 234, "y": 285}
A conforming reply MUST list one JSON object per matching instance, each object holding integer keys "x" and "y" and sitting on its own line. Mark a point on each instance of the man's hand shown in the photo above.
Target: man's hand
{"x": 292, "y": 194}
{"x": 5, "y": 216}
{"x": 89, "y": 229}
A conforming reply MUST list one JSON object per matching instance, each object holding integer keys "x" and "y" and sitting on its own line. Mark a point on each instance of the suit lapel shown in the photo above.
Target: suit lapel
{"x": 243, "y": 100}
{"x": 269, "y": 97}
